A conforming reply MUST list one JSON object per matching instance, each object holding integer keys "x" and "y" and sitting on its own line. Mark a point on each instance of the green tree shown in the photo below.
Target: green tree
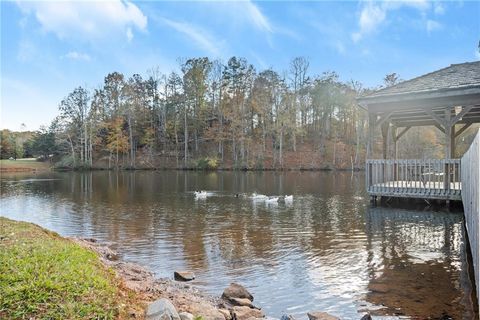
{"x": 195, "y": 86}
{"x": 117, "y": 140}
{"x": 238, "y": 78}
{"x": 75, "y": 110}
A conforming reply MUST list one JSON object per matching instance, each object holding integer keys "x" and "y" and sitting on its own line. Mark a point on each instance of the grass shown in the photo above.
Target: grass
{"x": 44, "y": 276}
{"x": 23, "y": 165}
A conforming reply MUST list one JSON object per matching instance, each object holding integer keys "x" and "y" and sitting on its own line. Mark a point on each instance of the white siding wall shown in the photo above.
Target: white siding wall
{"x": 470, "y": 177}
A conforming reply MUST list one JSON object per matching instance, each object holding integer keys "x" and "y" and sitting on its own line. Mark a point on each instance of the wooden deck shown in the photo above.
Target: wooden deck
{"x": 425, "y": 179}
{"x": 417, "y": 189}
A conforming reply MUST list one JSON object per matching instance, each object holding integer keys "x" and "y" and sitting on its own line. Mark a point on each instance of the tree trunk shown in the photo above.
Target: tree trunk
{"x": 264, "y": 136}
{"x": 234, "y": 150}
{"x": 294, "y": 138}
{"x": 73, "y": 150}
{"x": 186, "y": 137}
{"x": 196, "y": 141}
{"x": 130, "y": 135}
{"x": 281, "y": 148}
{"x": 334, "y": 151}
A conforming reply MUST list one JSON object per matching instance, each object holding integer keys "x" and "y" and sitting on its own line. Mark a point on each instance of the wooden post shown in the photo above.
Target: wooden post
{"x": 393, "y": 139}
{"x": 448, "y": 149}
{"x": 452, "y": 142}
{"x": 394, "y": 151}
{"x": 385, "y": 126}
{"x": 372, "y": 118}
{"x": 448, "y": 134}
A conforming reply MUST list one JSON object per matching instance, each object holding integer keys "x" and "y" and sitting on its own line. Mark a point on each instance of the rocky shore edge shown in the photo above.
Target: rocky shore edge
{"x": 167, "y": 299}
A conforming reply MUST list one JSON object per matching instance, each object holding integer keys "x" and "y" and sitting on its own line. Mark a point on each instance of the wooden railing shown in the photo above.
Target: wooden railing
{"x": 428, "y": 179}
{"x": 471, "y": 197}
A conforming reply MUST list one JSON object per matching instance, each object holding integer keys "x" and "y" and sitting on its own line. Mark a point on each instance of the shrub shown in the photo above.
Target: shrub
{"x": 207, "y": 163}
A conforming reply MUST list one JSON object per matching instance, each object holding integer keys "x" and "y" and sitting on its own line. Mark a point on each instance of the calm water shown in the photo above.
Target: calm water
{"x": 328, "y": 250}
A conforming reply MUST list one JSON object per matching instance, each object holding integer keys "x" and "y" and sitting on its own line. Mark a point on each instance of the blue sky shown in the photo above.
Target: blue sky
{"x": 49, "y": 48}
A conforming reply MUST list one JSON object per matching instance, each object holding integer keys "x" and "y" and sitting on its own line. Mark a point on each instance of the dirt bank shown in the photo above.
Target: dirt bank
{"x": 185, "y": 297}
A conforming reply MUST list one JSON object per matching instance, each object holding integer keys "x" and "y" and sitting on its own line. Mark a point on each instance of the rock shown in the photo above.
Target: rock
{"x": 161, "y": 309}
{"x": 226, "y": 313}
{"x": 287, "y": 317}
{"x": 104, "y": 251}
{"x": 321, "y": 316}
{"x": 183, "y": 275}
{"x": 235, "y": 290}
{"x": 244, "y": 313}
{"x": 241, "y": 302}
{"x": 135, "y": 277}
{"x": 366, "y": 317}
{"x": 206, "y": 311}
{"x": 378, "y": 288}
{"x": 186, "y": 316}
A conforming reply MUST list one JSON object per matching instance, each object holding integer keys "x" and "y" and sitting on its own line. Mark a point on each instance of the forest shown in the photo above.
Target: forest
{"x": 211, "y": 115}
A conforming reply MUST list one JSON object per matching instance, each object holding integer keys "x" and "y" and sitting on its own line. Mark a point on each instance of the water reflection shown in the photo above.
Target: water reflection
{"x": 418, "y": 262}
{"x": 325, "y": 251}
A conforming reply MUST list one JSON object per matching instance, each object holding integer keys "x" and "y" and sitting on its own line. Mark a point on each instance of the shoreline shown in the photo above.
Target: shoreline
{"x": 185, "y": 297}
{"x": 135, "y": 288}
{"x": 210, "y": 170}
{"x": 138, "y": 294}
{"x": 23, "y": 165}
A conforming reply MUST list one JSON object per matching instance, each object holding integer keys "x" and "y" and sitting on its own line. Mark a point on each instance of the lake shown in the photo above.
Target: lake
{"x": 327, "y": 250}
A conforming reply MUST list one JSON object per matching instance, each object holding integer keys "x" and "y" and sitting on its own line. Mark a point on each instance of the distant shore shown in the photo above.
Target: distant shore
{"x": 24, "y": 165}
{"x": 32, "y": 165}
{"x": 13, "y": 166}
{"x": 209, "y": 170}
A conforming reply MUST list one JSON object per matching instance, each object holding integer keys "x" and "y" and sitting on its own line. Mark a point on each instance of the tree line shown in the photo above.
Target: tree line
{"x": 209, "y": 114}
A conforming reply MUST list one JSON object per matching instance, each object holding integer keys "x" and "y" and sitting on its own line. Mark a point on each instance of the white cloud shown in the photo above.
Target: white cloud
{"x": 256, "y": 17}
{"x": 129, "y": 34}
{"x": 201, "y": 38}
{"x": 340, "y": 47}
{"x": 242, "y": 13}
{"x": 74, "y": 55}
{"x": 86, "y": 19}
{"x": 438, "y": 8}
{"x": 373, "y": 14}
{"x": 27, "y": 51}
{"x": 433, "y": 25}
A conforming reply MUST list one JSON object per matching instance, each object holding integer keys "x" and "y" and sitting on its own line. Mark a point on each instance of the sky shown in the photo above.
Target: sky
{"x": 50, "y": 48}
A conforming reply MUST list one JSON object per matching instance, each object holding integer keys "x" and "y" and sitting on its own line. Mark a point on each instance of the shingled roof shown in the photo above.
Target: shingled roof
{"x": 456, "y": 76}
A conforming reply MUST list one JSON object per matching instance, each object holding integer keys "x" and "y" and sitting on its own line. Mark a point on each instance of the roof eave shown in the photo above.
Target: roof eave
{"x": 418, "y": 95}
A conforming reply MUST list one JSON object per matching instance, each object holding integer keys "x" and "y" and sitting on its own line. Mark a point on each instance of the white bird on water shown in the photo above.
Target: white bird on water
{"x": 201, "y": 194}
{"x": 288, "y": 199}
{"x": 256, "y": 196}
{"x": 272, "y": 200}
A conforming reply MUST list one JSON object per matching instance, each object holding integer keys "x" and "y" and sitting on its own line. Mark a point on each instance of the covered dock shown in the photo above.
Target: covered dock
{"x": 448, "y": 99}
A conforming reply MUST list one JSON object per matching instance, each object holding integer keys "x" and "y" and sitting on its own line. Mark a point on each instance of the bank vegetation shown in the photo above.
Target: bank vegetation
{"x": 209, "y": 115}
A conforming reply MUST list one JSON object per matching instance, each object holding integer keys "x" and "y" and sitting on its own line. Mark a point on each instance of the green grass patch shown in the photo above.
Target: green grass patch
{"x": 23, "y": 164}
{"x": 44, "y": 276}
